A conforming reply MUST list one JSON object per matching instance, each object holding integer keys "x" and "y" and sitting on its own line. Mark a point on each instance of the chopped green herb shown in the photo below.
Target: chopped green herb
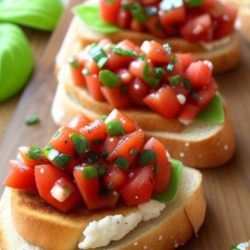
{"x": 103, "y": 117}
{"x": 122, "y": 52}
{"x": 97, "y": 142}
{"x": 73, "y": 63}
{"x": 133, "y": 152}
{"x": 86, "y": 72}
{"x": 80, "y": 142}
{"x": 157, "y": 168}
{"x": 122, "y": 162}
{"x": 175, "y": 80}
{"x": 187, "y": 83}
{"x": 98, "y": 55}
{"x": 159, "y": 72}
{"x": 139, "y": 14}
{"x": 30, "y": 120}
{"x": 90, "y": 172}
{"x": 171, "y": 65}
{"x": 109, "y": 79}
{"x": 141, "y": 57}
{"x": 115, "y": 128}
{"x": 194, "y": 3}
{"x": 124, "y": 89}
{"x": 56, "y": 133}
{"x": 110, "y": 1}
{"x": 35, "y": 153}
{"x": 146, "y": 157}
{"x": 195, "y": 95}
{"x": 111, "y": 184}
{"x": 149, "y": 79}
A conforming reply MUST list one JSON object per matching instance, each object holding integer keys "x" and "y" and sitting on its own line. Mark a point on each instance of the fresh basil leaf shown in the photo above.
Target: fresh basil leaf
{"x": 16, "y": 60}
{"x": 214, "y": 112}
{"x": 39, "y": 14}
{"x": 89, "y": 14}
{"x": 170, "y": 193}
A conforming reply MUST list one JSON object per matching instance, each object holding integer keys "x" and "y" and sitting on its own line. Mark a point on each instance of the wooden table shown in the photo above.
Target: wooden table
{"x": 227, "y": 188}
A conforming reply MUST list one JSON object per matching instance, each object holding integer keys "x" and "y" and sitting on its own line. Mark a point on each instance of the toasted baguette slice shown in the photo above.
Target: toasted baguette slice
{"x": 224, "y": 56}
{"x": 199, "y": 144}
{"x": 40, "y": 224}
{"x": 244, "y": 16}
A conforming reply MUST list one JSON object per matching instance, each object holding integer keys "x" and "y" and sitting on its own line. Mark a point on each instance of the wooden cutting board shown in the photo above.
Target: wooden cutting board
{"x": 227, "y": 189}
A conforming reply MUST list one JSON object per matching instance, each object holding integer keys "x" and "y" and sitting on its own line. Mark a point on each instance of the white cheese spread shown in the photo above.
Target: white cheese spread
{"x": 112, "y": 228}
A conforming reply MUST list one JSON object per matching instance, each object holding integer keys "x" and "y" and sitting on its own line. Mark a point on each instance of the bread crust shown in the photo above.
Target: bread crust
{"x": 78, "y": 36}
{"x": 45, "y": 226}
{"x": 211, "y": 150}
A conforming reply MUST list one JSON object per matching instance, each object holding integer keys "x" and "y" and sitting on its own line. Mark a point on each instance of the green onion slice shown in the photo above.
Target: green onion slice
{"x": 133, "y": 152}
{"x": 122, "y": 162}
{"x": 187, "y": 83}
{"x": 194, "y": 3}
{"x": 80, "y": 142}
{"x": 97, "y": 142}
{"x": 109, "y": 79}
{"x": 153, "y": 81}
{"x": 139, "y": 14}
{"x": 147, "y": 156}
{"x": 103, "y": 117}
{"x": 115, "y": 128}
{"x": 122, "y": 52}
{"x": 73, "y": 63}
{"x": 175, "y": 80}
{"x": 30, "y": 120}
{"x": 98, "y": 55}
{"x": 35, "y": 153}
{"x": 86, "y": 72}
{"x": 90, "y": 172}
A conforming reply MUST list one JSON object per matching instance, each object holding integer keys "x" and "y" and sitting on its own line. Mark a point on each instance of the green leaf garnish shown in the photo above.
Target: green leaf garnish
{"x": 115, "y": 128}
{"x": 16, "y": 60}
{"x": 90, "y": 15}
{"x": 80, "y": 142}
{"x": 122, "y": 162}
{"x": 30, "y": 120}
{"x": 39, "y": 14}
{"x": 170, "y": 193}
{"x": 214, "y": 112}
{"x": 35, "y": 153}
{"x": 146, "y": 157}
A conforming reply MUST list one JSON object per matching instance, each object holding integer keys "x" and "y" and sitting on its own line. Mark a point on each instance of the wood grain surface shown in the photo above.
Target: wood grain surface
{"x": 227, "y": 188}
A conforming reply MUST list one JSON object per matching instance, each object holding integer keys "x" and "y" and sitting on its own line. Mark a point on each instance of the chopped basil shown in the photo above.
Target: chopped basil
{"x": 130, "y": 6}
{"x": 171, "y": 65}
{"x": 97, "y": 142}
{"x": 86, "y": 72}
{"x": 90, "y": 172}
{"x": 35, "y": 153}
{"x": 73, "y": 63}
{"x": 109, "y": 79}
{"x": 194, "y": 3}
{"x": 151, "y": 80}
{"x": 115, "y": 128}
{"x": 156, "y": 168}
{"x": 59, "y": 159}
{"x": 98, "y": 55}
{"x": 139, "y": 14}
{"x": 80, "y": 142}
{"x": 147, "y": 156}
{"x": 122, "y": 162}
{"x": 187, "y": 83}
{"x": 141, "y": 57}
{"x": 195, "y": 95}
{"x": 133, "y": 152}
{"x": 124, "y": 89}
{"x": 122, "y": 52}
{"x": 159, "y": 72}
{"x": 175, "y": 80}
{"x": 111, "y": 184}
{"x": 103, "y": 117}
{"x": 30, "y": 120}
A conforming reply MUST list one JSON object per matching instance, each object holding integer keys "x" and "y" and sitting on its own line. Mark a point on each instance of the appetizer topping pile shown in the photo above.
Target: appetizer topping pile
{"x": 191, "y": 20}
{"x": 126, "y": 75}
{"x": 96, "y": 163}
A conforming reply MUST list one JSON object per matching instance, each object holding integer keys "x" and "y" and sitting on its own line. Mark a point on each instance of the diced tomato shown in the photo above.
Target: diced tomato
{"x": 124, "y": 18}
{"x": 28, "y": 161}
{"x": 137, "y": 91}
{"x": 194, "y": 29}
{"x": 155, "y": 52}
{"x": 91, "y": 66}
{"x": 226, "y": 22}
{"x": 109, "y": 10}
{"x": 62, "y": 141}
{"x": 164, "y": 102}
{"x": 76, "y": 72}
{"x": 128, "y": 124}
{"x": 207, "y": 5}
{"x": 78, "y": 122}
{"x": 125, "y": 76}
{"x": 188, "y": 112}
{"x": 21, "y": 176}
{"x": 136, "y": 26}
{"x": 116, "y": 98}
{"x": 199, "y": 73}
{"x": 155, "y": 28}
{"x": 128, "y": 146}
{"x": 46, "y": 176}
{"x": 90, "y": 191}
{"x": 95, "y": 132}
{"x": 149, "y": 2}
{"x": 174, "y": 16}
{"x": 186, "y": 59}
{"x": 94, "y": 84}
{"x": 175, "y": 69}
{"x": 114, "y": 178}
{"x": 139, "y": 186}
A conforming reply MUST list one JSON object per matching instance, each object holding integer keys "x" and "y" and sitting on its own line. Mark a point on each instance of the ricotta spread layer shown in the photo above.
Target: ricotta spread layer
{"x": 112, "y": 228}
